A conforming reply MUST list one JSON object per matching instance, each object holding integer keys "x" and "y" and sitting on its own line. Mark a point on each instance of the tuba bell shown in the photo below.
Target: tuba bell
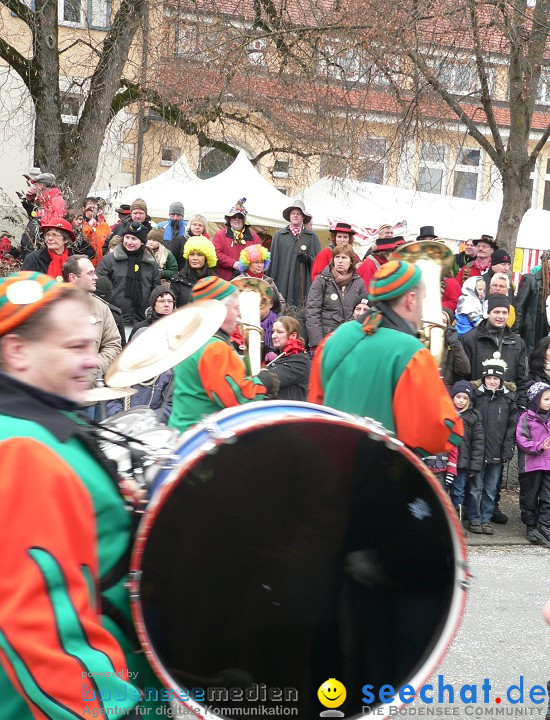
{"x": 434, "y": 259}
{"x": 254, "y": 294}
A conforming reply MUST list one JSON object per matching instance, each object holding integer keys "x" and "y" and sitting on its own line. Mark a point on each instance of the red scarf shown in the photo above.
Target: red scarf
{"x": 255, "y": 275}
{"x": 294, "y": 346}
{"x": 479, "y": 266}
{"x": 295, "y": 230}
{"x": 56, "y": 263}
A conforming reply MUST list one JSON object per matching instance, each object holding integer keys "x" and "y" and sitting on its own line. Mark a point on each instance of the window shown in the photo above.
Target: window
{"x": 94, "y": 13}
{"x": 431, "y": 170}
{"x": 256, "y": 51}
{"x": 281, "y": 168}
{"x": 543, "y": 89}
{"x": 372, "y": 160}
{"x": 345, "y": 64}
{"x": 457, "y": 78}
{"x": 206, "y": 44}
{"x": 466, "y": 174}
{"x": 546, "y": 196}
{"x": 213, "y": 162}
{"x": 169, "y": 155}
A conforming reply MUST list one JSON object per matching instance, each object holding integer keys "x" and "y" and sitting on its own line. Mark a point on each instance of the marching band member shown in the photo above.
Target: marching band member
{"x": 380, "y": 369}
{"x": 65, "y": 527}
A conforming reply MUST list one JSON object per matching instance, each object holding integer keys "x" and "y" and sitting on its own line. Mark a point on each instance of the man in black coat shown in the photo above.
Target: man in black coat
{"x": 531, "y": 320}
{"x": 493, "y": 336}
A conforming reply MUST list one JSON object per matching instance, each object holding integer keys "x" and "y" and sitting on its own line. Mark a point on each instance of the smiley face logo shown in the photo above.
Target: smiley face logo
{"x": 332, "y": 693}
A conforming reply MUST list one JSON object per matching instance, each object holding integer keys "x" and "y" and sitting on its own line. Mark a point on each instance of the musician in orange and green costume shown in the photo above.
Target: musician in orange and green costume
{"x": 378, "y": 368}
{"x": 214, "y": 377}
{"x": 65, "y": 526}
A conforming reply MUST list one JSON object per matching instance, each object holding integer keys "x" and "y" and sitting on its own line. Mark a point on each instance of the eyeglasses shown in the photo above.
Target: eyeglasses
{"x": 90, "y": 273}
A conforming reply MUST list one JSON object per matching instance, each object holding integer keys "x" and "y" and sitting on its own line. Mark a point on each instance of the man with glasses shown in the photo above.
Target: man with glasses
{"x": 78, "y": 270}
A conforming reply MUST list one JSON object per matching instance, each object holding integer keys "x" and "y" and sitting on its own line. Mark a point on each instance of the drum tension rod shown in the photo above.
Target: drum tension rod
{"x": 217, "y": 436}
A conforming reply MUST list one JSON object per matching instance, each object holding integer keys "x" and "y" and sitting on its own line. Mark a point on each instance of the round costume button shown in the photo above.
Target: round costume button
{"x": 334, "y": 296}
{"x": 93, "y": 320}
{"x": 303, "y": 248}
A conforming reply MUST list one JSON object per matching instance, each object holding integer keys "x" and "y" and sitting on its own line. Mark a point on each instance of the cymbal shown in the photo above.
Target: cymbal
{"x": 166, "y": 342}
{"x": 103, "y": 393}
{"x": 252, "y": 283}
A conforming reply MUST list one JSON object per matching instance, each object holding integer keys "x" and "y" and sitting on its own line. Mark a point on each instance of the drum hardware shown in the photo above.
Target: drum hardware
{"x": 217, "y": 436}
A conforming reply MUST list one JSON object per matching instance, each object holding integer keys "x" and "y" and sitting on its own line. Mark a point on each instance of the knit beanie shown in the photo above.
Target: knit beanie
{"x": 22, "y": 294}
{"x": 534, "y": 393}
{"x": 202, "y": 245}
{"x": 462, "y": 386}
{"x": 176, "y": 208}
{"x": 494, "y": 366}
{"x": 138, "y": 230}
{"x": 212, "y": 288}
{"x": 393, "y": 279}
{"x": 156, "y": 234}
{"x": 500, "y": 256}
{"x": 103, "y": 288}
{"x": 497, "y": 300}
{"x": 158, "y": 291}
{"x": 138, "y": 204}
{"x": 254, "y": 253}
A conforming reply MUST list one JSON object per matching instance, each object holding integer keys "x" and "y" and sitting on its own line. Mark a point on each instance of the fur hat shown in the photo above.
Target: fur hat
{"x": 497, "y": 300}
{"x": 176, "y": 208}
{"x": 23, "y": 293}
{"x": 139, "y": 204}
{"x": 202, "y": 245}
{"x": 254, "y": 253}
{"x": 393, "y": 279}
{"x": 462, "y": 386}
{"x": 212, "y": 288}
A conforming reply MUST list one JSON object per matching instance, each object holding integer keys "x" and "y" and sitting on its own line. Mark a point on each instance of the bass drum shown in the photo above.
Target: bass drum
{"x": 293, "y": 544}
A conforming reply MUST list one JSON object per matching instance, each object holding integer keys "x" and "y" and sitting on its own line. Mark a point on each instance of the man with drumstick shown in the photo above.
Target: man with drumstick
{"x": 380, "y": 369}
{"x": 64, "y": 607}
{"x": 214, "y": 376}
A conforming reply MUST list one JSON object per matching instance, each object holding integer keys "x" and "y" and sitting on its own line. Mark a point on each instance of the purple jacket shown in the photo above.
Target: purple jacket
{"x": 531, "y": 432}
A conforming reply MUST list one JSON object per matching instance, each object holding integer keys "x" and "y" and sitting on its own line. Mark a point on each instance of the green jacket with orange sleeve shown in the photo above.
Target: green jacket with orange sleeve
{"x": 65, "y": 537}
{"x": 388, "y": 376}
{"x": 210, "y": 379}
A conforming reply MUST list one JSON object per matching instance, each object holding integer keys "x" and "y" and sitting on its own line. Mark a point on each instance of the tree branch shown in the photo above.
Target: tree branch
{"x": 19, "y": 63}
{"x": 22, "y": 11}
{"x": 540, "y": 145}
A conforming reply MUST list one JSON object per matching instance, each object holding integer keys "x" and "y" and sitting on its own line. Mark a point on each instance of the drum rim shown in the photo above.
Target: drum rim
{"x": 461, "y": 573}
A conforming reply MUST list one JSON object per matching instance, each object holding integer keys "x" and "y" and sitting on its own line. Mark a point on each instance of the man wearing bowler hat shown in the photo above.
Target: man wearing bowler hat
{"x": 293, "y": 251}
{"x": 485, "y": 247}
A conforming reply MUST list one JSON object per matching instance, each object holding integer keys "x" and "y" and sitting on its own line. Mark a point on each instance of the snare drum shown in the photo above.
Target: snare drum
{"x": 141, "y": 424}
{"x": 292, "y": 544}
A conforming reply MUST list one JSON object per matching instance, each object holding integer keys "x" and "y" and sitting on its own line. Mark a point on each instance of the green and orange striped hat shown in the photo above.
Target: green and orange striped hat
{"x": 212, "y": 288}
{"x": 394, "y": 278}
{"x": 22, "y": 294}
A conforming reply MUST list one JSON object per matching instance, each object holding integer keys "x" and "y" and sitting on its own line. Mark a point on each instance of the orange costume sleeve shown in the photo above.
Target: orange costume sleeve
{"x": 56, "y": 660}
{"x": 315, "y": 393}
{"x": 425, "y": 418}
{"x": 222, "y": 375}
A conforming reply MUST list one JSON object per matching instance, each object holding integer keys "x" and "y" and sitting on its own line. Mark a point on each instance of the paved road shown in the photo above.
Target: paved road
{"x": 502, "y": 635}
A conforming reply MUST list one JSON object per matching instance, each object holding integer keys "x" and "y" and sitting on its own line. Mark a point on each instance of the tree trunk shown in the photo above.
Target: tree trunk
{"x": 45, "y": 88}
{"x": 516, "y": 200}
{"x": 80, "y": 156}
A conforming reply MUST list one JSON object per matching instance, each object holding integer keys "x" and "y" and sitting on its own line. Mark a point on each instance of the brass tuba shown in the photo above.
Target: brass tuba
{"x": 434, "y": 259}
{"x": 254, "y": 293}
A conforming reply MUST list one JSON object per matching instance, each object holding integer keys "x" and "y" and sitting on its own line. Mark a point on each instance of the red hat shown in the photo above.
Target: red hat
{"x": 59, "y": 224}
{"x": 342, "y": 227}
{"x": 390, "y": 243}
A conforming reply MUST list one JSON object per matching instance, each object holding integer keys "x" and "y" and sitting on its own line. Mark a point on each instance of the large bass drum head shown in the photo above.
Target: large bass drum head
{"x": 305, "y": 550}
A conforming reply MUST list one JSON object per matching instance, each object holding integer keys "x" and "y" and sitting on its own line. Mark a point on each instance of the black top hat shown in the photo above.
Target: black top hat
{"x": 426, "y": 231}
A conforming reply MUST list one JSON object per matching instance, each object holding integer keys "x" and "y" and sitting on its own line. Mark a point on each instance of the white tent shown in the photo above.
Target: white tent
{"x": 159, "y": 192}
{"x": 370, "y": 205}
{"x": 212, "y": 198}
